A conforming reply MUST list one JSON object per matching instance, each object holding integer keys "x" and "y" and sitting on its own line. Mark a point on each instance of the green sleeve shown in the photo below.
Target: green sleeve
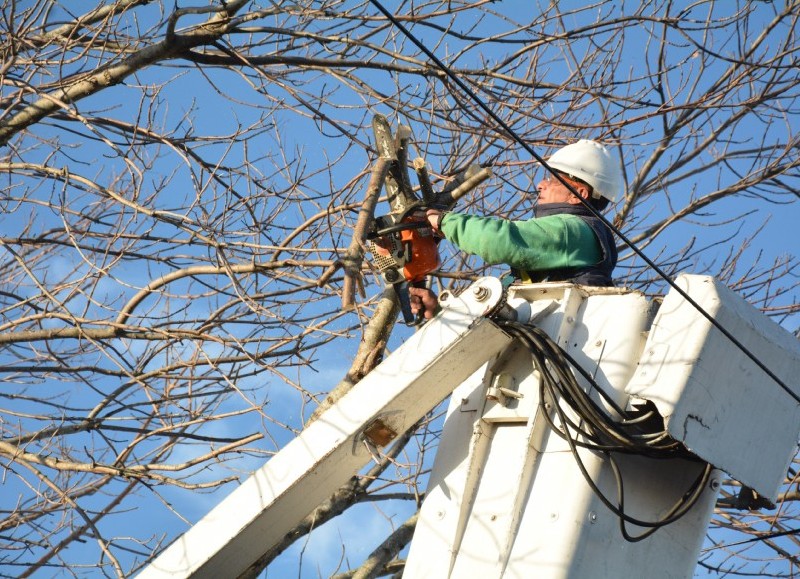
{"x": 552, "y": 242}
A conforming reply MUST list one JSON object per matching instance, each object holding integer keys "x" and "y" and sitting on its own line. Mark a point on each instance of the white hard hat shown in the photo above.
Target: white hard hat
{"x": 591, "y": 162}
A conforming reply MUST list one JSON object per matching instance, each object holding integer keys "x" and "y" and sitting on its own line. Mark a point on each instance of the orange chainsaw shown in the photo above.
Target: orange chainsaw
{"x": 402, "y": 243}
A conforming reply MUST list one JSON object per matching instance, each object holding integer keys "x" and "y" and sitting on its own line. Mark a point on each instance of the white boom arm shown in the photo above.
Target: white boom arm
{"x": 385, "y": 403}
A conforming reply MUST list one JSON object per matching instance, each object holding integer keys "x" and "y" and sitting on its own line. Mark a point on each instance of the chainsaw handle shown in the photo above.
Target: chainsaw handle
{"x": 404, "y": 297}
{"x": 402, "y": 226}
{"x": 427, "y": 310}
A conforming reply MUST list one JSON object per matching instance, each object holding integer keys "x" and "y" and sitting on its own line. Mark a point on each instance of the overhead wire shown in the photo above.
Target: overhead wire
{"x": 514, "y": 136}
{"x": 762, "y": 537}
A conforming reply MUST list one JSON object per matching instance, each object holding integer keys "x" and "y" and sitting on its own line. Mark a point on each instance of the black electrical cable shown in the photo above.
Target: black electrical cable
{"x": 513, "y": 135}
{"x": 600, "y": 433}
{"x": 682, "y": 506}
{"x": 555, "y": 367}
{"x": 764, "y": 537}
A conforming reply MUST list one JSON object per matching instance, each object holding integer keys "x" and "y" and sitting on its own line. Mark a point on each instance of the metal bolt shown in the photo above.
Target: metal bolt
{"x": 481, "y": 293}
{"x": 592, "y": 517}
{"x": 714, "y": 485}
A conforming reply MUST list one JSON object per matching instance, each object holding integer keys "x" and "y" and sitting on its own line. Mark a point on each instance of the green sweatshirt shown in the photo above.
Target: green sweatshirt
{"x": 546, "y": 243}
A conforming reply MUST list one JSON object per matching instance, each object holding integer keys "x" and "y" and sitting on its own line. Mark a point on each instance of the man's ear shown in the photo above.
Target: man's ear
{"x": 582, "y": 190}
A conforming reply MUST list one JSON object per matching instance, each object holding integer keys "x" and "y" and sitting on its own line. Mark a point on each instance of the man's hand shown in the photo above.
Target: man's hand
{"x": 423, "y": 300}
{"x": 434, "y": 217}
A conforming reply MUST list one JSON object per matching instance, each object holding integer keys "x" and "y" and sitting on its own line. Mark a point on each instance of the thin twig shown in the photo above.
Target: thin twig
{"x": 355, "y": 252}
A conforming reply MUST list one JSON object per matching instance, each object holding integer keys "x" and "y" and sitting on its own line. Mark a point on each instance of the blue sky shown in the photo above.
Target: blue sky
{"x": 217, "y": 103}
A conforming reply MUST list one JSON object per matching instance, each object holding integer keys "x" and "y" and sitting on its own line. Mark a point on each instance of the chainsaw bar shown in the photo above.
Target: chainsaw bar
{"x": 397, "y": 184}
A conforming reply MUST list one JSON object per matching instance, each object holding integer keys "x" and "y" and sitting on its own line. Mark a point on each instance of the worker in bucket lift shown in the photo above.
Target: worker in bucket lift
{"x": 564, "y": 241}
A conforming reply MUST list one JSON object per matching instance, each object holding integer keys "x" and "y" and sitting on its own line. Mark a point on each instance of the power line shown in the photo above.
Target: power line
{"x": 764, "y": 537}
{"x": 513, "y": 135}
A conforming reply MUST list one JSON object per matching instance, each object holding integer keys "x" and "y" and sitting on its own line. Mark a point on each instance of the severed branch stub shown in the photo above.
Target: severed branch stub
{"x": 464, "y": 182}
{"x": 354, "y": 256}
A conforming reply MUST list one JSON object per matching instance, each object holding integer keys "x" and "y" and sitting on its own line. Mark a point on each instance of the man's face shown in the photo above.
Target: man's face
{"x": 551, "y": 190}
